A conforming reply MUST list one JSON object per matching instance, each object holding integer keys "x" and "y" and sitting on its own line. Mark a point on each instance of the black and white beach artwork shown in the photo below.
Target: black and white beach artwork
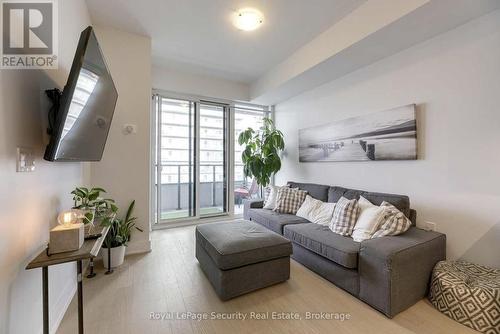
{"x": 384, "y": 135}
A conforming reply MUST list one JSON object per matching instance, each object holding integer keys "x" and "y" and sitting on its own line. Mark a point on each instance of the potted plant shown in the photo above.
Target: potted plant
{"x": 119, "y": 235}
{"x": 261, "y": 159}
{"x": 91, "y": 205}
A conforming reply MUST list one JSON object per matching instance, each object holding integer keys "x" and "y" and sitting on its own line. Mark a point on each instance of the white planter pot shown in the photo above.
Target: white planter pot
{"x": 117, "y": 256}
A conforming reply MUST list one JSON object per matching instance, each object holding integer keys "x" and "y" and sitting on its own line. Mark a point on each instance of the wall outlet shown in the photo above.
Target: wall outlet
{"x": 25, "y": 160}
{"x": 430, "y": 226}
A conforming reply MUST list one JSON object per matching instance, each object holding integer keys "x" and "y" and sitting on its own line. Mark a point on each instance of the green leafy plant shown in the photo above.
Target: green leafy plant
{"x": 260, "y": 157}
{"x": 91, "y": 200}
{"x": 120, "y": 229}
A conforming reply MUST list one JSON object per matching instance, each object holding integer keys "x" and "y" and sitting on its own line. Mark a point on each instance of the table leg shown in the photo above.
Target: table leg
{"x": 91, "y": 273}
{"x": 79, "y": 279}
{"x": 110, "y": 271}
{"x": 45, "y": 296}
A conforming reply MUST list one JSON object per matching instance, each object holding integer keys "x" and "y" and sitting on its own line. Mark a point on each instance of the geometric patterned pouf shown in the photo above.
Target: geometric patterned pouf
{"x": 468, "y": 293}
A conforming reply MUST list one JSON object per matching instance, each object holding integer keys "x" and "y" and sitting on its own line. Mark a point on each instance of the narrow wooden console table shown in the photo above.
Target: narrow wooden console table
{"x": 88, "y": 251}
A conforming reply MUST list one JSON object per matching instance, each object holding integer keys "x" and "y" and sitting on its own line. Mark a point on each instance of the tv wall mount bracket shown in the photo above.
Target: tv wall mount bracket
{"x": 55, "y": 97}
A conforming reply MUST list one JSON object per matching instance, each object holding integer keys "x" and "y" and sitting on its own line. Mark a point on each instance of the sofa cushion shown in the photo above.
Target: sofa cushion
{"x": 274, "y": 220}
{"x": 239, "y": 243}
{"x": 317, "y": 191}
{"x": 320, "y": 240}
{"x": 401, "y": 202}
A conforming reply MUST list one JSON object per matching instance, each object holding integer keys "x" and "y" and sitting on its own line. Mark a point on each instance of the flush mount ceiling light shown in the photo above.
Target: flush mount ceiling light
{"x": 248, "y": 19}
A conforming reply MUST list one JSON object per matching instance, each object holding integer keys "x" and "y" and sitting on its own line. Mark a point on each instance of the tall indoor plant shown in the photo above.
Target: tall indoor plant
{"x": 120, "y": 231}
{"x": 261, "y": 159}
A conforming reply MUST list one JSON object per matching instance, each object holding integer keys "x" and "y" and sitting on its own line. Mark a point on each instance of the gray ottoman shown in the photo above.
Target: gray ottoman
{"x": 241, "y": 256}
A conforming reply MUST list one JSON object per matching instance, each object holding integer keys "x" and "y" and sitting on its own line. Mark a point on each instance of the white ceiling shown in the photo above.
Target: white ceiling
{"x": 197, "y": 36}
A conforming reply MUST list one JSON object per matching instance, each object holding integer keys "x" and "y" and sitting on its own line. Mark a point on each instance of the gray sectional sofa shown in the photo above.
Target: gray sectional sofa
{"x": 388, "y": 273}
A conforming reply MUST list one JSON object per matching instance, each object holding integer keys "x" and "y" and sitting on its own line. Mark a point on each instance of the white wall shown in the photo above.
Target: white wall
{"x": 29, "y": 202}
{"x": 124, "y": 170}
{"x": 454, "y": 80}
{"x": 196, "y": 84}
{"x": 366, "y": 19}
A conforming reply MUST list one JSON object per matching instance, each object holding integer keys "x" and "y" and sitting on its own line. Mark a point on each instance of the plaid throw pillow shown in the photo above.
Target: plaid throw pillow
{"x": 289, "y": 200}
{"x": 271, "y": 196}
{"x": 395, "y": 222}
{"x": 345, "y": 215}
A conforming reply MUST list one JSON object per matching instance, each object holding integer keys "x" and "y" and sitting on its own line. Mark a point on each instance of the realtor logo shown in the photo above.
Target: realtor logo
{"x": 29, "y": 34}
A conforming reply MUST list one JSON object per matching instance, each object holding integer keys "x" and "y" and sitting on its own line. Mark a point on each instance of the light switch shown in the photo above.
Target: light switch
{"x": 25, "y": 160}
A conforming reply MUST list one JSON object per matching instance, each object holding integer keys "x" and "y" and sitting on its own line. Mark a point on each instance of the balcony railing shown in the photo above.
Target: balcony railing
{"x": 175, "y": 193}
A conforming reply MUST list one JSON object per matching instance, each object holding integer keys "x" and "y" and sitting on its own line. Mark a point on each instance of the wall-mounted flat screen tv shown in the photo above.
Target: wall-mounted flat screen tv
{"x": 80, "y": 119}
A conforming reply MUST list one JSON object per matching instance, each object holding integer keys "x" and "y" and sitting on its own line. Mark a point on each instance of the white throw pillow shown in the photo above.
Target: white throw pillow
{"x": 370, "y": 218}
{"x": 322, "y": 214}
{"x": 316, "y": 211}
{"x": 364, "y": 204}
{"x": 307, "y": 207}
{"x": 272, "y": 197}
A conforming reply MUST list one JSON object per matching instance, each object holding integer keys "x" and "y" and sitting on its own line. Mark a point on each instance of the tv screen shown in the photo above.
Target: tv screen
{"x": 81, "y": 122}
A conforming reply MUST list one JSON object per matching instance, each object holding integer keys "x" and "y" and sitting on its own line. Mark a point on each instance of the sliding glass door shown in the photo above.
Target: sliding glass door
{"x": 213, "y": 158}
{"x": 191, "y": 159}
{"x": 175, "y": 159}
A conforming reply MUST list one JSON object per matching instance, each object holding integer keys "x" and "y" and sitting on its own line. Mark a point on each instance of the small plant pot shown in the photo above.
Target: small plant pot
{"x": 117, "y": 256}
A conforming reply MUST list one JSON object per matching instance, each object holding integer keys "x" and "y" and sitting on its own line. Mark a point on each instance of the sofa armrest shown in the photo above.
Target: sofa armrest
{"x": 256, "y": 203}
{"x": 395, "y": 271}
{"x": 413, "y": 217}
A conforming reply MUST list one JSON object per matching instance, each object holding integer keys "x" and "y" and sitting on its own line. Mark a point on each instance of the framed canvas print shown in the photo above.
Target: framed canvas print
{"x": 384, "y": 135}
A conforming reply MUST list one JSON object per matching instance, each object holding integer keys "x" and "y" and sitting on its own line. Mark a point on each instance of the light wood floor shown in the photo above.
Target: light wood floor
{"x": 169, "y": 279}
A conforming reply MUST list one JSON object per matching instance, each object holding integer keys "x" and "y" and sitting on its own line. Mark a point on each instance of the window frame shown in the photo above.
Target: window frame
{"x": 267, "y": 111}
